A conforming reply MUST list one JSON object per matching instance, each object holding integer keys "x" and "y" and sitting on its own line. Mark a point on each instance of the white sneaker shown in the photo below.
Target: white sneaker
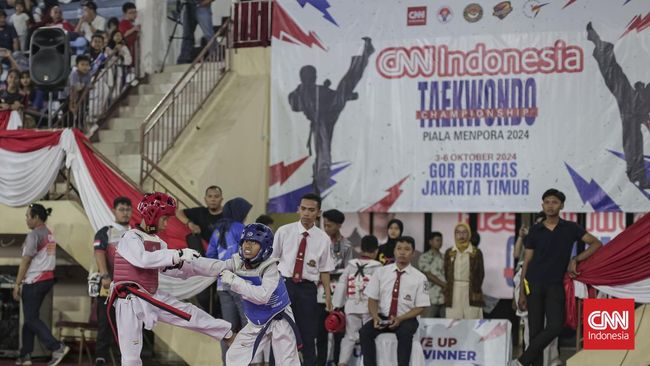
{"x": 515, "y": 362}
{"x": 59, "y": 355}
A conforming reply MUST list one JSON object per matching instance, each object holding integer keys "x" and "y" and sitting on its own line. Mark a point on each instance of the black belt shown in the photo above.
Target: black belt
{"x": 279, "y": 316}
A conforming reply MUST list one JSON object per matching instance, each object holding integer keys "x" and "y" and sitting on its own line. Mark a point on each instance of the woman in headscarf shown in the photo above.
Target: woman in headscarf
{"x": 464, "y": 276}
{"x": 395, "y": 229}
{"x": 223, "y": 244}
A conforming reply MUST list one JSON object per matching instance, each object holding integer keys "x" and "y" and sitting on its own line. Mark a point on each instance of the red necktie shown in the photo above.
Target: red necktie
{"x": 395, "y": 295}
{"x": 300, "y": 258}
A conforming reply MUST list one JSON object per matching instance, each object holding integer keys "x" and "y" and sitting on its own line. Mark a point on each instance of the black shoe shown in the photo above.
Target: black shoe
{"x": 100, "y": 361}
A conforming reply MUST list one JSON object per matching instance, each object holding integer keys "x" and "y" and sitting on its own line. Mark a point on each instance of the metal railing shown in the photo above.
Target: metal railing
{"x": 174, "y": 112}
{"x": 252, "y": 23}
{"x": 95, "y": 102}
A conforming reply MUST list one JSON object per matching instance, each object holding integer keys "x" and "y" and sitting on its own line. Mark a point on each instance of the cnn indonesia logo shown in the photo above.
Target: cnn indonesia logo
{"x": 416, "y": 15}
{"x": 608, "y": 324}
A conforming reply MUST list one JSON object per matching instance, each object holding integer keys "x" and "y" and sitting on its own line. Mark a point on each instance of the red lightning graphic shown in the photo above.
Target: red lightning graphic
{"x": 497, "y": 331}
{"x": 639, "y": 23}
{"x": 385, "y": 203}
{"x": 286, "y": 29}
{"x": 280, "y": 172}
{"x": 569, "y": 3}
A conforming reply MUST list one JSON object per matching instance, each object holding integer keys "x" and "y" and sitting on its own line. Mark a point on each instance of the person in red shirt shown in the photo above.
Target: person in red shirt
{"x": 56, "y": 20}
{"x": 128, "y": 28}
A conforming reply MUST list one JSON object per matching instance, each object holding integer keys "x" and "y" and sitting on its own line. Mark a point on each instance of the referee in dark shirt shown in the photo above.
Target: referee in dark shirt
{"x": 547, "y": 258}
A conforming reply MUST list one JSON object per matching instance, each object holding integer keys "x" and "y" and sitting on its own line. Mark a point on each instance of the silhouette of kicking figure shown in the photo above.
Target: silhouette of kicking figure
{"x": 633, "y": 105}
{"x": 322, "y": 107}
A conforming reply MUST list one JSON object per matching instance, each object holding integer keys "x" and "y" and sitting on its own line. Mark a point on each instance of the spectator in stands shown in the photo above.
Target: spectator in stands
{"x": 8, "y": 36}
{"x": 32, "y": 100}
{"x": 117, "y": 49}
{"x": 80, "y": 78}
{"x": 34, "y": 281}
{"x": 10, "y": 98}
{"x": 20, "y": 20}
{"x": 8, "y": 59}
{"x": 195, "y": 11}
{"x": 432, "y": 265}
{"x": 464, "y": 277}
{"x": 97, "y": 52}
{"x": 56, "y": 20}
{"x": 111, "y": 27}
{"x": 90, "y": 22}
{"x": 127, "y": 26}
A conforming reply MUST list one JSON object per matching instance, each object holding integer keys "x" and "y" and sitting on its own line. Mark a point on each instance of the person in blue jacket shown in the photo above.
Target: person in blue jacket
{"x": 224, "y": 242}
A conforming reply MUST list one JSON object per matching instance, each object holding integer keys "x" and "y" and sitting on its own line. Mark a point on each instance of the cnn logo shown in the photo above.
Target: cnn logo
{"x": 416, "y": 15}
{"x": 606, "y": 324}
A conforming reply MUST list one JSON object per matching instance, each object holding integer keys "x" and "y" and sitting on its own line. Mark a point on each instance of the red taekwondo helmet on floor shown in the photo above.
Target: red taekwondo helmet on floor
{"x": 335, "y": 322}
{"x": 155, "y": 205}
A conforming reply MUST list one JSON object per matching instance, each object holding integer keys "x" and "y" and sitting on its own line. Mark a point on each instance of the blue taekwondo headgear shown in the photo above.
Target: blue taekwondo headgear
{"x": 261, "y": 234}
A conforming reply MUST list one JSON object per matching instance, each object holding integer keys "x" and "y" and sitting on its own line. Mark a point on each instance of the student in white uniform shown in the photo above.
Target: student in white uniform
{"x": 396, "y": 296}
{"x": 304, "y": 254}
{"x": 350, "y": 293}
{"x": 253, "y": 274}
{"x": 140, "y": 255}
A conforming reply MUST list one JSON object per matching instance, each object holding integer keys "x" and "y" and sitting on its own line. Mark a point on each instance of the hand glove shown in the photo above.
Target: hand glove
{"x": 187, "y": 255}
{"x": 228, "y": 277}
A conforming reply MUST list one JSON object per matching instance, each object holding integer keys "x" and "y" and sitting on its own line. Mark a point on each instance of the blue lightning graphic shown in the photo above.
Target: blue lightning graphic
{"x": 593, "y": 193}
{"x": 320, "y": 5}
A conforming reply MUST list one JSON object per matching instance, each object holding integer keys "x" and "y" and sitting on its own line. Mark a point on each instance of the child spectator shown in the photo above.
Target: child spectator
{"x": 97, "y": 52}
{"x": 349, "y": 293}
{"x": 10, "y": 98}
{"x": 118, "y": 49}
{"x": 79, "y": 79}
{"x": 32, "y": 100}
{"x": 111, "y": 28}
{"x": 127, "y": 26}
{"x": 20, "y": 22}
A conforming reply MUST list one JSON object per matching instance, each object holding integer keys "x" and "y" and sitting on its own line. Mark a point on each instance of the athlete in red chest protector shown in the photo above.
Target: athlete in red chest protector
{"x": 140, "y": 255}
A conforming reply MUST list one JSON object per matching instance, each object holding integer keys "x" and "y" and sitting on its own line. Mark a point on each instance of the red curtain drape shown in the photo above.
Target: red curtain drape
{"x": 27, "y": 140}
{"x": 112, "y": 185}
{"x": 623, "y": 260}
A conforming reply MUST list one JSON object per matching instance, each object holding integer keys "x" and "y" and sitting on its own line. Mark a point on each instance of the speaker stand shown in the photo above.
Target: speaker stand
{"x": 50, "y": 112}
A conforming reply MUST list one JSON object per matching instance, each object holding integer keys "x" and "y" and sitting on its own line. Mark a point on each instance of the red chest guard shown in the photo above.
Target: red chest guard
{"x": 126, "y": 272}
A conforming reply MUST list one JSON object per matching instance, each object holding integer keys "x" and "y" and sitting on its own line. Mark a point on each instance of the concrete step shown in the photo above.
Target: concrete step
{"x": 113, "y": 149}
{"x": 119, "y": 136}
{"x": 128, "y": 122}
{"x": 154, "y": 88}
{"x": 134, "y": 112}
{"x": 128, "y": 161}
{"x": 133, "y": 173}
{"x": 166, "y": 77}
{"x": 143, "y": 100}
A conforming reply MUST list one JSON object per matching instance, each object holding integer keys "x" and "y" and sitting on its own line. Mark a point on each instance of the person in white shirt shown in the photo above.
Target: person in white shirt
{"x": 20, "y": 20}
{"x": 304, "y": 257}
{"x": 90, "y": 22}
{"x": 139, "y": 258}
{"x": 397, "y": 295}
{"x": 350, "y": 293}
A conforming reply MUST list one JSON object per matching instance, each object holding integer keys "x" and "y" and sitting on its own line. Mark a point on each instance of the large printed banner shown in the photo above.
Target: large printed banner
{"x": 450, "y": 342}
{"x": 448, "y": 106}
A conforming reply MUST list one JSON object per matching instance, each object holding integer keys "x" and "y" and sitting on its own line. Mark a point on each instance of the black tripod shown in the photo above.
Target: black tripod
{"x": 180, "y": 7}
